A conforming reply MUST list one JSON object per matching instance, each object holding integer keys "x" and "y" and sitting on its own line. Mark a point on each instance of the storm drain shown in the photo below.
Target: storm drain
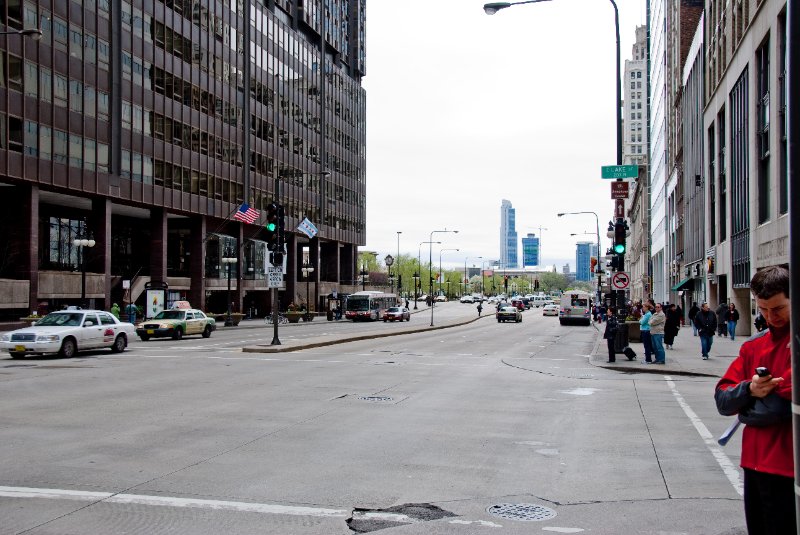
{"x": 376, "y": 399}
{"x": 521, "y": 511}
{"x": 368, "y": 520}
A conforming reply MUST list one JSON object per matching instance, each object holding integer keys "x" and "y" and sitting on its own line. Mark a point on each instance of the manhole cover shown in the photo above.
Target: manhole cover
{"x": 521, "y": 511}
{"x": 376, "y": 399}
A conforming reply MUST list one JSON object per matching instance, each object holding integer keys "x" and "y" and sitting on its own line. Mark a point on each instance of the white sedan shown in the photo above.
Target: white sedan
{"x": 68, "y": 331}
{"x": 551, "y": 310}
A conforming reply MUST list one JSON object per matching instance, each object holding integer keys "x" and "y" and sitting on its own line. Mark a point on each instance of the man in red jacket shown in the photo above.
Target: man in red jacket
{"x": 764, "y": 404}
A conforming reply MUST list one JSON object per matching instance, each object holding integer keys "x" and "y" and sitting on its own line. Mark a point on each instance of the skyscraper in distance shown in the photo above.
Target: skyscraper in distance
{"x": 530, "y": 251}
{"x": 584, "y": 250}
{"x": 508, "y": 236}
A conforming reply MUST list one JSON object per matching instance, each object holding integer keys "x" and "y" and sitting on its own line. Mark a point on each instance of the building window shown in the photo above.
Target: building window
{"x": 45, "y": 142}
{"x": 721, "y": 177}
{"x": 75, "y": 151}
{"x": 783, "y": 174}
{"x": 89, "y": 154}
{"x": 103, "y": 54}
{"x": 76, "y": 43}
{"x": 102, "y": 158}
{"x": 31, "y": 138}
{"x": 89, "y": 101}
{"x": 31, "y": 79}
{"x": 60, "y": 147}
{"x": 45, "y": 84}
{"x": 762, "y": 107}
{"x": 76, "y": 96}
{"x": 60, "y": 34}
{"x": 740, "y": 198}
{"x": 102, "y": 105}
{"x": 14, "y": 73}
{"x": 60, "y": 91}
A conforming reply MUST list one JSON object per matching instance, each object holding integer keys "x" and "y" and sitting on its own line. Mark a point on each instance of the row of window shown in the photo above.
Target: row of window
{"x": 47, "y": 143}
{"x": 40, "y": 82}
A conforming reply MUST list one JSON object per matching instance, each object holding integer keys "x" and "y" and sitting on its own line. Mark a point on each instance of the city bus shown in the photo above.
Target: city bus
{"x": 576, "y": 307}
{"x": 368, "y": 305}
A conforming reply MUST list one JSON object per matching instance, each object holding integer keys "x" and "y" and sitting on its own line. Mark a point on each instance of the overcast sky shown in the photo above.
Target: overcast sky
{"x": 466, "y": 109}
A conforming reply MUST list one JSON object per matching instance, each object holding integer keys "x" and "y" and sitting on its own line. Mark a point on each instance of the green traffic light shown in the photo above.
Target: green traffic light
{"x": 619, "y": 248}
{"x": 271, "y": 227}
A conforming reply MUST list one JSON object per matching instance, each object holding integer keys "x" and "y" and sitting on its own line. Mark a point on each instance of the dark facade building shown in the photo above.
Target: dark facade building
{"x": 141, "y": 124}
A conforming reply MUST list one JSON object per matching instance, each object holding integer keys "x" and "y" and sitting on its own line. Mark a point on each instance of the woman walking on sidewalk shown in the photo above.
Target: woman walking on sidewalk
{"x": 673, "y": 325}
{"x": 692, "y": 313}
{"x": 644, "y": 329}
{"x": 610, "y": 334}
{"x": 732, "y": 316}
{"x": 657, "y": 323}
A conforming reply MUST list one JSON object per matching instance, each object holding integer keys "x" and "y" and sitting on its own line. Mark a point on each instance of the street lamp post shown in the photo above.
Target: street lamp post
{"x": 416, "y": 281}
{"x": 440, "y": 265}
{"x": 418, "y": 275}
{"x": 430, "y": 260}
{"x": 364, "y": 274}
{"x": 389, "y": 261}
{"x": 33, "y": 33}
{"x": 493, "y": 7}
{"x": 228, "y": 260}
{"x": 597, "y": 222}
{"x": 307, "y": 270}
{"x": 397, "y": 269}
{"x": 83, "y": 240}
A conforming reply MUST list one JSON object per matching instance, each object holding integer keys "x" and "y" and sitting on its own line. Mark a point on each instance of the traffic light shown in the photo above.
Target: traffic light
{"x": 620, "y": 234}
{"x": 271, "y": 227}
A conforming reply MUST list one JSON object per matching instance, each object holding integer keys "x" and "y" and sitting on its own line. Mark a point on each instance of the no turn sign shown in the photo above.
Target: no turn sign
{"x": 620, "y": 280}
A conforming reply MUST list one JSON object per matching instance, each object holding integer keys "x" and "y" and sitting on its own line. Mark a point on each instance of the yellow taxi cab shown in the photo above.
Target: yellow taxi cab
{"x": 176, "y": 323}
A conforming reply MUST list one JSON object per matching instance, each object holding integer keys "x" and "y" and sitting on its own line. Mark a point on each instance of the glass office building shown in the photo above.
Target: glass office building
{"x": 143, "y": 125}
{"x": 530, "y": 251}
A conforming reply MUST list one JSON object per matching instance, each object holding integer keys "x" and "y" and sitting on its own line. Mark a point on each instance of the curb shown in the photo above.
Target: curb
{"x": 310, "y": 345}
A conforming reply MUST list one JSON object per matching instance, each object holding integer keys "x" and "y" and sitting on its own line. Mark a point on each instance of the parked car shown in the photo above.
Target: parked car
{"x": 175, "y": 324}
{"x": 441, "y": 299}
{"x": 551, "y": 310}
{"x": 397, "y": 313}
{"x": 508, "y": 313}
{"x": 68, "y": 331}
{"x": 467, "y": 299}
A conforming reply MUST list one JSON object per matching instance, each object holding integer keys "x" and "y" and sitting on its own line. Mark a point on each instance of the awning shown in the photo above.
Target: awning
{"x": 683, "y": 285}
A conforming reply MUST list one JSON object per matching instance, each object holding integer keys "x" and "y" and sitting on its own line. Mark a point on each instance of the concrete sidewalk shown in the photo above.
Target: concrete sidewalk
{"x": 683, "y": 359}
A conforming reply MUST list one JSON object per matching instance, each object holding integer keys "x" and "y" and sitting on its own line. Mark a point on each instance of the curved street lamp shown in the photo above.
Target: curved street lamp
{"x": 430, "y": 261}
{"x": 493, "y": 7}
{"x": 33, "y": 33}
{"x": 597, "y": 222}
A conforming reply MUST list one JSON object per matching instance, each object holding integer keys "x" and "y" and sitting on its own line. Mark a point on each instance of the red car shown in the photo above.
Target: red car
{"x": 519, "y": 304}
{"x": 397, "y": 313}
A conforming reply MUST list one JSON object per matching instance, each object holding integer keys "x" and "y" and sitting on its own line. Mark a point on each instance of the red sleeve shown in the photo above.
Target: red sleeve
{"x": 737, "y": 371}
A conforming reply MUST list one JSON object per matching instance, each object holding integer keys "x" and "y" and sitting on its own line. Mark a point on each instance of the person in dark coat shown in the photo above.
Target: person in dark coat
{"x": 722, "y": 325}
{"x": 692, "y": 313}
{"x": 731, "y": 318}
{"x": 672, "y": 326}
{"x": 612, "y": 326}
{"x": 706, "y": 322}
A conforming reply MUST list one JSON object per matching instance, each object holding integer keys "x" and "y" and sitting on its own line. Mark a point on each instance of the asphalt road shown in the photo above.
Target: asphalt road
{"x": 196, "y": 437}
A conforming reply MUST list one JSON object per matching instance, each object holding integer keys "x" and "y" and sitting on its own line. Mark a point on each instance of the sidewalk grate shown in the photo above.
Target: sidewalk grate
{"x": 521, "y": 511}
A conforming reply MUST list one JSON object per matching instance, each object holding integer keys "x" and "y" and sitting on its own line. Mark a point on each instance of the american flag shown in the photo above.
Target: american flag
{"x": 246, "y": 214}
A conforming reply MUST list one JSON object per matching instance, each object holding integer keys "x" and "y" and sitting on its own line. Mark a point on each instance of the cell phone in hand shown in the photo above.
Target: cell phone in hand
{"x": 762, "y": 371}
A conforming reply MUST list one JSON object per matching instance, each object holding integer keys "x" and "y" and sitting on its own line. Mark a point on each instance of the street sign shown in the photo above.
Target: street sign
{"x": 619, "y": 208}
{"x": 619, "y": 190}
{"x": 620, "y": 280}
{"x": 619, "y": 171}
{"x": 274, "y": 277}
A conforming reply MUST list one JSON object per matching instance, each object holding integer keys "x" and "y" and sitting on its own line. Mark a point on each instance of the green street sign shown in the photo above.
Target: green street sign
{"x": 620, "y": 171}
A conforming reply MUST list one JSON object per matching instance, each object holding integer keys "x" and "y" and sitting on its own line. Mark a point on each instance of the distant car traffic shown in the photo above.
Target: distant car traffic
{"x": 467, "y": 299}
{"x": 518, "y": 303}
{"x": 67, "y": 332}
{"x": 508, "y": 313}
{"x": 551, "y": 310}
{"x": 397, "y": 314}
{"x": 175, "y": 324}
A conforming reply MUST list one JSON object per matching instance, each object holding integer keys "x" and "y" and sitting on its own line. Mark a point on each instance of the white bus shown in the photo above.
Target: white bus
{"x": 576, "y": 307}
{"x": 368, "y": 305}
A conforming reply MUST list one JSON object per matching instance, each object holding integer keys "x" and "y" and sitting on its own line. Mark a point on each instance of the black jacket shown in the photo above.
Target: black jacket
{"x": 732, "y": 315}
{"x": 706, "y": 322}
{"x": 612, "y": 326}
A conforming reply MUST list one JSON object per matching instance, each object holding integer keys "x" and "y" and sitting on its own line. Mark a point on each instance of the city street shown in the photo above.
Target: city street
{"x": 441, "y": 427}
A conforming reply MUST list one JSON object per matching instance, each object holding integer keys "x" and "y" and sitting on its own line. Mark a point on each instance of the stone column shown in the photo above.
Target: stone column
{"x": 24, "y": 240}
{"x": 99, "y": 257}
{"x": 158, "y": 245}
{"x": 315, "y": 259}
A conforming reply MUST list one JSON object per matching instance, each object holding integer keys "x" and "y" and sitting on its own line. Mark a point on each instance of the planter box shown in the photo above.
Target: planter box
{"x": 309, "y": 316}
{"x": 236, "y": 317}
{"x": 634, "y": 331}
{"x": 294, "y": 317}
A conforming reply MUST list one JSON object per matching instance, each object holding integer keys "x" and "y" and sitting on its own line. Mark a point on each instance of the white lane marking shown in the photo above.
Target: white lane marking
{"x": 562, "y": 530}
{"x": 479, "y": 522}
{"x": 728, "y": 468}
{"x": 170, "y": 501}
{"x": 390, "y": 517}
{"x": 579, "y": 391}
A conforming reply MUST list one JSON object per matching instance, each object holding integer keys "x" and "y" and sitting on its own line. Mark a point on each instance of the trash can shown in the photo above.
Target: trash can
{"x": 330, "y": 315}
{"x": 621, "y": 340}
